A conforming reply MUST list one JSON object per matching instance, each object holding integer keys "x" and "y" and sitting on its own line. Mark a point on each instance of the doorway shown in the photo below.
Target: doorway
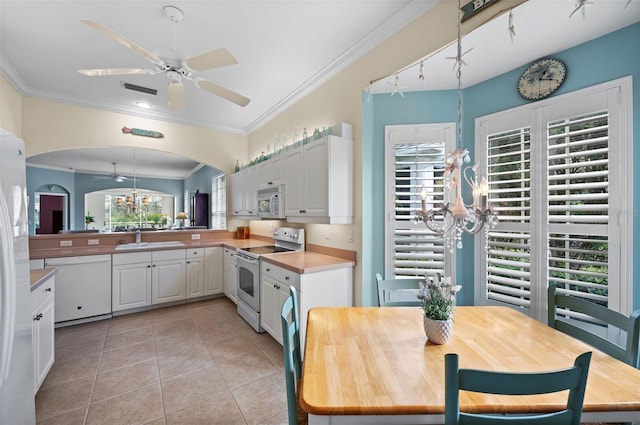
{"x": 50, "y": 213}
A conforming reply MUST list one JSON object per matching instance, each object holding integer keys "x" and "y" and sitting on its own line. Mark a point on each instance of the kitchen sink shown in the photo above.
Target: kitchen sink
{"x": 149, "y": 245}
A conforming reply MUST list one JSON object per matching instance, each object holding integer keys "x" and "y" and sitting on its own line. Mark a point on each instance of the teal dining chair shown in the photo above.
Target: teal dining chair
{"x": 594, "y": 334}
{"x": 573, "y": 379}
{"x": 292, "y": 357}
{"x": 388, "y": 286}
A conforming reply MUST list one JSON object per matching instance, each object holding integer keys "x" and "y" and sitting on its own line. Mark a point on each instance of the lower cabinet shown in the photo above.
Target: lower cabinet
{"x": 167, "y": 276}
{"x": 131, "y": 280}
{"x": 43, "y": 334}
{"x": 272, "y": 295}
{"x": 195, "y": 272}
{"x": 330, "y": 288}
{"x": 213, "y": 274}
{"x": 151, "y": 277}
{"x": 230, "y": 275}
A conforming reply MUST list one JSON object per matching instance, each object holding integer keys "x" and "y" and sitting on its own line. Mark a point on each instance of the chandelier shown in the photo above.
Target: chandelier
{"x": 135, "y": 202}
{"x": 452, "y": 219}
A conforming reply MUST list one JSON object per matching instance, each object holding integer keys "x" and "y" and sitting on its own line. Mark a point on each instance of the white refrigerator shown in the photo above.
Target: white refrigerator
{"x": 17, "y": 406}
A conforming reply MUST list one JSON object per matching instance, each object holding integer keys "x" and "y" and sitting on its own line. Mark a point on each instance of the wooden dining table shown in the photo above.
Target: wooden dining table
{"x": 371, "y": 365}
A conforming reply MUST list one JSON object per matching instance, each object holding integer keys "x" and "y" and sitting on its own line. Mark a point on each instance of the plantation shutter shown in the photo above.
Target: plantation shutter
{"x": 508, "y": 256}
{"x": 578, "y": 205}
{"x": 415, "y": 159}
{"x": 219, "y": 202}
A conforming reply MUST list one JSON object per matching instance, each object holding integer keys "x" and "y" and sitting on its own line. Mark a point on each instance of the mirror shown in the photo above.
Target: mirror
{"x": 74, "y": 175}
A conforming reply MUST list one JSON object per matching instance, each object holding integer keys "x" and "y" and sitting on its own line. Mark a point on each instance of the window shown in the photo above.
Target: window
{"x": 558, "y": 174}
{"x": 415, "y": 157}
{"x": 219, "y": 202}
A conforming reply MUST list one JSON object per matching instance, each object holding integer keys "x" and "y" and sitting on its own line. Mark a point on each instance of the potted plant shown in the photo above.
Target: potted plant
{"x": 437, "y": 298}
{"x": 88, "y": 219}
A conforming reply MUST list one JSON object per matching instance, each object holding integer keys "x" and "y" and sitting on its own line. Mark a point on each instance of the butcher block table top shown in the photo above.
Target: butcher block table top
{"x": 376, "y": 362}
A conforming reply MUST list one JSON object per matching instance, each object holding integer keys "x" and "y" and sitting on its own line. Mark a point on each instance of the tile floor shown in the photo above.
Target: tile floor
{"x": 198, "y": 363}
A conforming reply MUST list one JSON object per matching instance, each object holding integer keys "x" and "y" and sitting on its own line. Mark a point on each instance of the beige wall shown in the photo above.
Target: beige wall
{"x": 50, "y": 126}
{"x": 10, "y": 108}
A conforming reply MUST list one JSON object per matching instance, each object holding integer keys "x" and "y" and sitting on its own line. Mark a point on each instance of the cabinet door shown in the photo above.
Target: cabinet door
{"x": 213, "y": 276}
{"x": 167, "y": 281}
{"x": 195, "y": 277}
{"x": 131, "y": 286}
{"x": 43, "y": 341}
{"x": 230, "y": 275}
{"x": 268, "y": 297}
{"x": 276, "y": 170}
{"x": 294, "y": 184}
{"x": 236, "y": 194}
{"x": 316, "y": 170}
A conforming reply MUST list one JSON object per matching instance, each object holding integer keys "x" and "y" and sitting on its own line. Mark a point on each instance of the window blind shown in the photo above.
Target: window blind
{"x": 578, "y": 206}
{"x": 417, "y": 250}
{"x": 219, "y": 202}
{"x": 508, "y": 256}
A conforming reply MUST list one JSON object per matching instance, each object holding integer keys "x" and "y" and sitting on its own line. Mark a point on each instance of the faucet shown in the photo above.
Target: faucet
{"x": 138, "y": 236}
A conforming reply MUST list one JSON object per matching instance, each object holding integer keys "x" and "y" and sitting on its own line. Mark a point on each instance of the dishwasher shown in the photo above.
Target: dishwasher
{"x": 83, "y": 286}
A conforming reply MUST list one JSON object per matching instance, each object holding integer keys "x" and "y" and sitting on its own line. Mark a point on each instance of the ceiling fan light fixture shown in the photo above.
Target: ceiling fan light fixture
{"x": 174, "y": 14}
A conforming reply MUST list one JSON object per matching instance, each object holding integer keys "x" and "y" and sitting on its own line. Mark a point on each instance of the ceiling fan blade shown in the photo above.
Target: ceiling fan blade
{"x": 124, "y": 41}
{"x": 213, "y": 59}
{"x": 224, "y": 93}
{"x": 113, "y": 71}
{"x": 176, "y": 95}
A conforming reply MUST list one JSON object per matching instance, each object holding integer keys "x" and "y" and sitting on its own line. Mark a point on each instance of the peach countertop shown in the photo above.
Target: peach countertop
{"x": 313, "y": 260}
{"x": 38, "y": 277}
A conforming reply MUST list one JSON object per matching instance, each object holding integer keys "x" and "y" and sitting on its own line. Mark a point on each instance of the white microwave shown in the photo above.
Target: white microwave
{"x": 271, "y": 202}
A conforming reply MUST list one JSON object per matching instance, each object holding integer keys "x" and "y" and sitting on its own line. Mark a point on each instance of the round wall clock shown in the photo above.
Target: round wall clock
{"x": 541, "y": 78}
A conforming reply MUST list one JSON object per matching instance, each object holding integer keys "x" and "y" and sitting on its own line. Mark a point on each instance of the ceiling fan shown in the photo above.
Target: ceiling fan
{"x": 115, "y": 176}
{"x": 173, "y": 66}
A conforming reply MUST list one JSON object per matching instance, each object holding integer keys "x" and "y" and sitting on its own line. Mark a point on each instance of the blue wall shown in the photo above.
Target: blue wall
{"x": 201, "y": 181}
{"x": 607, "y": 58}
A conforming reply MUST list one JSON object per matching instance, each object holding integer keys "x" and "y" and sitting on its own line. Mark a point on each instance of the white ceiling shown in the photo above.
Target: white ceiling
{"x": 284, "y": 49}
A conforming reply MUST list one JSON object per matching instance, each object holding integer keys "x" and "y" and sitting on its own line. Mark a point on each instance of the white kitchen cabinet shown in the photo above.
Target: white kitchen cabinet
{"x": 83, "y": 286}
{"x": 230, "y": 275}
{"x": 168, "y": 276}
{"x": 274, "y": 290}
{"x": 213, "y": 276}
{"x": 270, "y": 172}
{"x": 243, "y": 192}
{"x": 43, "y": 333}
{"x": 195, "y": 272}
{"x": 328, "y": 288}
{"x": 319, "y": 182}
{"x": 131, "y": 280}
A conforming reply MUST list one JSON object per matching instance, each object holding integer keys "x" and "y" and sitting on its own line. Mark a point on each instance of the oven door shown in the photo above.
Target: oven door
{"x": 249, "y": 281}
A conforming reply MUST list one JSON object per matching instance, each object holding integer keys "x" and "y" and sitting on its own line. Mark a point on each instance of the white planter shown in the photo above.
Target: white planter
{"x": 438, "y": 331}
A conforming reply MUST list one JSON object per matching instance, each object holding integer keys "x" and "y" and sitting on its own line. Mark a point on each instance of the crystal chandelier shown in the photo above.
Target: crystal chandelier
{"x": 452, "y": 219}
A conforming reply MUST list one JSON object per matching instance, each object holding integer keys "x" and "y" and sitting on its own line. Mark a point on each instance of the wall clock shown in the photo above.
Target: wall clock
{"x": 541, "y": 78}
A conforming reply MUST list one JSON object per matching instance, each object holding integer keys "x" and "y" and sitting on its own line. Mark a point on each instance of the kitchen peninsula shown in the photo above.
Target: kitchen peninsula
{"x": 97, "y": 279}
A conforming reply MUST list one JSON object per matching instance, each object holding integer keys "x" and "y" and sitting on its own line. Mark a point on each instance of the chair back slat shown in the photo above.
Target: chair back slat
{"x": 628, "y": 353}
{"x": 292, "y": 353}
{"x": 388, "y": 286}
{"x": 573, "y": 379}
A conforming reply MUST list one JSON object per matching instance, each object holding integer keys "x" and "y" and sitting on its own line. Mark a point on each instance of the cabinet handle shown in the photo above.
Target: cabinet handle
{"x": 268, "y": 269}
{"x": 188, "y": 262}
{"x": 149, "y": 266}
{"x": 38, "y": 317}
{"x": 79, "y": 307}
{"x": 154, "y": 265}
{"x": 303, "y": 211}
{"x": 48, "y": 289}
{"x": 286, "y": 278}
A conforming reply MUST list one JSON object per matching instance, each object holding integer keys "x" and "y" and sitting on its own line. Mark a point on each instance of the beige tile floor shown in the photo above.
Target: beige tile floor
{"x": 197, "y": 363}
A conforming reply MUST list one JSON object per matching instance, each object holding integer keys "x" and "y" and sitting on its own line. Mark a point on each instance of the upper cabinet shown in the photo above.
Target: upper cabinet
{"x": 319, "y": 182}
{"x": 317, "y": 178}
